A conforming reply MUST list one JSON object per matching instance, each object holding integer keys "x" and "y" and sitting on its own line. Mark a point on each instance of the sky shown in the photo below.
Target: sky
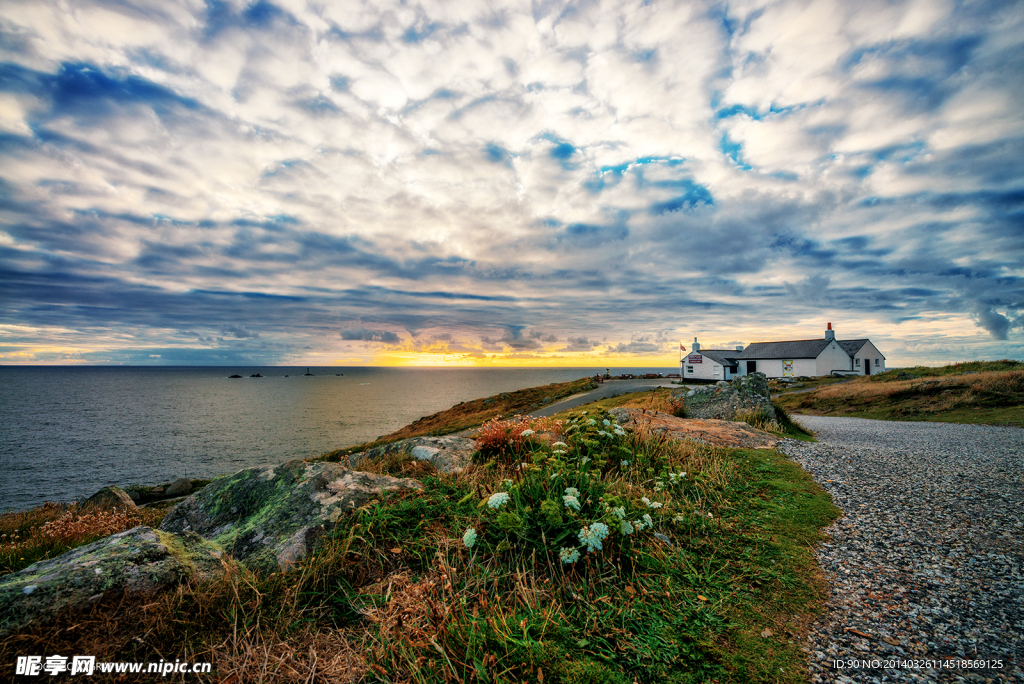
{"x": 538, "y": 183}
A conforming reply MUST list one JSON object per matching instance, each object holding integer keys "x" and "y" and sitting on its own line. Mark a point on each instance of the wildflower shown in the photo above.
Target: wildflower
{"x": 507, "y": 484}
{"x": 624, "y": 464}
{"x": 603, "y": 433}
{"x": 606, "y": 422}
{"x": 585, "y": 461}
{"x": 625, "y": 527}
{"x": 592, "y": 536}
{"x": 639, "y": 524}
{"x": 659, "y": 486}
{"x": 680, "y": 518}
{"x": 526, "y": 433}
{"x": 591, "y": 421}
{"x": 469, "y": 538}
{"x": 497, "y": 500}
{"x": 569, "y": 555}
{"x": 554, "y": 475}
{"x": 619, "y": 431}
{"x": 647, "y": 519}
{"x": 619, "y": 512}
{"x": 560, "y": 445}
{"x": 572, "y": 491}
{"x": 652, "y": 504}
{"x": 571, "y": 502}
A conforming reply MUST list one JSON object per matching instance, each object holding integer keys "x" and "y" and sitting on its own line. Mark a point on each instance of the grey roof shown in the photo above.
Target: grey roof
{"x": 797, "y": 349}
{"x": 726, "y": 357}
{"x": 793, "y": 349}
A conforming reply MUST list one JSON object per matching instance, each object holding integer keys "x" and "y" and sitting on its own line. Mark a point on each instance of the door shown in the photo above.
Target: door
{"x": 751, "y": 367}
{"x": 867, "y": 366}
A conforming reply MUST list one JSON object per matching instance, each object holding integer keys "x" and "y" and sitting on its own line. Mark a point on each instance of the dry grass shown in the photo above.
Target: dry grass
{"x": 52, "y": 529}
{"x": 863, "y": 389}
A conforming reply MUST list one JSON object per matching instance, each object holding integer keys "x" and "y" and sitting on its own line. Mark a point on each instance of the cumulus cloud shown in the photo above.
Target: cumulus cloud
{"x": 507, "y": 175}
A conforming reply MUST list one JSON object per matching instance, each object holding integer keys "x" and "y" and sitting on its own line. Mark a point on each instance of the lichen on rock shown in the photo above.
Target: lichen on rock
{"x": 137, "y": 561}
{"x": 723, "y": 400}
{"x": 449, "y": 454}
{"x": 269, "y": 518}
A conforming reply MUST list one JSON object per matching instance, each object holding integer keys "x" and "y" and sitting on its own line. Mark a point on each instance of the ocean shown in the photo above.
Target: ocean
{"x": 66, "y": 432}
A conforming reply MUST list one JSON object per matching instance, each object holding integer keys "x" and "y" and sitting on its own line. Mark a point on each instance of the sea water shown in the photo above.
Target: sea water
{"x": 66, "y": 432}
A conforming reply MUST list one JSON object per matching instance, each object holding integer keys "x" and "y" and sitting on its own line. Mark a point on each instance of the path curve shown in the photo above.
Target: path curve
{"x": 926, "y": 562}
{"x": 609, "y": 388}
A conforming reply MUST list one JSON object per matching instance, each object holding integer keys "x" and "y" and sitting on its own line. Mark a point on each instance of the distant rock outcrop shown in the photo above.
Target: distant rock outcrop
{"x": 723, "y": 400}
{"x": 270, "y": 517}
{"x": 137, "y": 561}
{"x": 449, "y": 454}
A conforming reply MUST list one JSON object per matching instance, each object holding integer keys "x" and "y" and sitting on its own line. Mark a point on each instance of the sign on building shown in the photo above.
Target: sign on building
{"x": 695, "y": 358}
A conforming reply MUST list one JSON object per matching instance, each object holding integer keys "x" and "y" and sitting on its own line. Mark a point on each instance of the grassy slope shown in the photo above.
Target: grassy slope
{"x": 394, "y": 596}
{"x": 474, "y": 413}
{"x": 983, "y": 392}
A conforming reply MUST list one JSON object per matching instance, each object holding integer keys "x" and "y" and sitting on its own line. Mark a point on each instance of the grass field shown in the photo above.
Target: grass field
{"x": 990, "y": 393}
{"x": 612, "y": 557}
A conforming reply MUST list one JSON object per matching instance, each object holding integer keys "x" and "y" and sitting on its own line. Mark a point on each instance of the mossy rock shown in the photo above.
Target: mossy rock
{"x": 270, "y": 517}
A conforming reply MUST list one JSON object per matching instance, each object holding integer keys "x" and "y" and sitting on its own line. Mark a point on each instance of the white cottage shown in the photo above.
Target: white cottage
{"x": 811, "y": 357}
{"x": 710, "y": 364}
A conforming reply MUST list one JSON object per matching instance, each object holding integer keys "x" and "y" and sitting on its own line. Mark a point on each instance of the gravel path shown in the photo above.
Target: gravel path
{"x": 926, "y": 564}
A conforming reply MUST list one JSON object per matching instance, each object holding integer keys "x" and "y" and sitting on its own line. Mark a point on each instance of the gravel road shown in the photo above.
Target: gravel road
{"x": 927, "y": 561}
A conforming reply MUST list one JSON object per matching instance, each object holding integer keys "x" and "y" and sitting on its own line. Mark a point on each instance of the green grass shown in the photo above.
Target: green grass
{"x": 814, "y": 383}
{"x": 951, "y": 369}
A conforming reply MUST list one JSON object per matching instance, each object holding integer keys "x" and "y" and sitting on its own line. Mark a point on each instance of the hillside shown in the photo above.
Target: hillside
{"x": 983, "y": 392}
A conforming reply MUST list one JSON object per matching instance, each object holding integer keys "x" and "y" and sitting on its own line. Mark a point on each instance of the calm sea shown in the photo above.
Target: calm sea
{"x": 65, "y": 432}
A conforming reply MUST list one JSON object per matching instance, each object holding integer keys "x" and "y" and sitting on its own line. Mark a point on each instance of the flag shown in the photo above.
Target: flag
{"x": 681, "y": 347}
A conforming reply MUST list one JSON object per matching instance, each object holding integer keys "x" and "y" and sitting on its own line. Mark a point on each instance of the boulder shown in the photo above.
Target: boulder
{"x": 110, "y": 497}
{"x": 723, "y": 400}
{"x": 718, "y": 432}
{"x": 137, "y": 561}
{"x": 449, "y": 454}
{"x": 270, "y": 517}
{"x": 903, "y": 375}
{"x": 180, "y": 487}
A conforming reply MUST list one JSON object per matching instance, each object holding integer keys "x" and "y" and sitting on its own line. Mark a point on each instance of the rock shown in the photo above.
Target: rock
{"x": 110, "y": 497}
{"x": 180, "y": 487}
{"x": 270, "y": 517}
{"x": 448, "y": 454}
{"x": 719, "y": 432}
{"x": 137, "y": 561}
{"x": 902, "y": 375}
{"x": 723, "y": 400}
{"x": 238, "y": 376}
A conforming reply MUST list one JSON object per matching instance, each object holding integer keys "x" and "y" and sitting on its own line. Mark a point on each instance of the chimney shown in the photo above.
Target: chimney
{"x": 696, "y": 345}
{"x": 739, "y": 347}
{"x": 830, "y": 334}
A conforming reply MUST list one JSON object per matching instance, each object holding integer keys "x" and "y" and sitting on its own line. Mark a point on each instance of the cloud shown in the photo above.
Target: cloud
{"x": 510, "y": 176}
{"x": 368, "y": 335}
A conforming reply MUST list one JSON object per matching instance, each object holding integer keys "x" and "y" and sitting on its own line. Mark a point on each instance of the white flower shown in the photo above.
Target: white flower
{"x": 554, "y": 475}
{"x": 497, "y": 500}
{"x": 569, "y": 555}
{"x": 602, "y": 432}
{"x": 469, "y": 538}
{"x": 647, "y": 519}
{"x": 560, "y": 445}
{"x": 651, "y": 504}
{"x": 571, "y": 502}
{"x": 572, "y": 491}
{"x": 624, "y": 464}
{"x": 619, "y": 512}
{"x": 606, "y": 422}
{"x": 592, "y": 536}
{"x": 639, "y": 524}
{"x": 680, "y": 518}
{"x": 591, "y": 421}
{"x": 585, "y": 461}
{"x": 625, "y": 527}
{"x": 526, "y": 433}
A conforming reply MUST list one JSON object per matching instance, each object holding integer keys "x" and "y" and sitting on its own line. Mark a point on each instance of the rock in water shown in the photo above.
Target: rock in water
{"x": 110, "y": 497}
{"x": 449, "y": 454}
{"x": 723, "y": 400}
{"x": 138, "y": 561}
{"x": 270, "y": 517}
{"x": 180, "y": 487}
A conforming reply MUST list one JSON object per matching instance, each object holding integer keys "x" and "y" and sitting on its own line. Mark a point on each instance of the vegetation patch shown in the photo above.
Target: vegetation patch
{"x": 52, "y": 529}
{"x": 601, "y": 554}
{"x": 957, "y": 394}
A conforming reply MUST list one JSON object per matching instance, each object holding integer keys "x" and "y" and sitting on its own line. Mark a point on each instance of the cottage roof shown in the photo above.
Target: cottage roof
{"x": 792, "y": 349}
{"x": 852, "y": 346}
{"x": 726, "y": 357}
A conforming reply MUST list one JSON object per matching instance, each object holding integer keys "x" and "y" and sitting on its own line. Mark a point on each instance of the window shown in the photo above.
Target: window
{"x": 858, "y": 362}
{"x": 689, "y": 369}
{"x": 878, "y": 363}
